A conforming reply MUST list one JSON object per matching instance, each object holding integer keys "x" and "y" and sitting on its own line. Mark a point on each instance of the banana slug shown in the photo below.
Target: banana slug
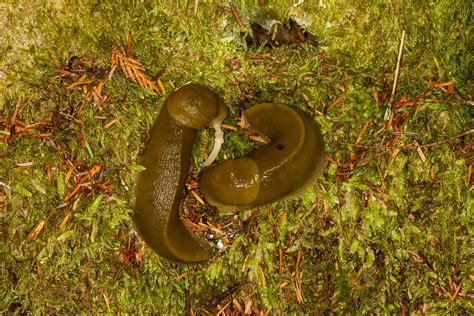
{"x": 167, "y": 159}
{"x": 291, "y": 161}
{"x": 288, "y": 164}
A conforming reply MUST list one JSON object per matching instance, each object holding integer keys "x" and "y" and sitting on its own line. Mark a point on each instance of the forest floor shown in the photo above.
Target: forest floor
{"x": 388, "y": 227}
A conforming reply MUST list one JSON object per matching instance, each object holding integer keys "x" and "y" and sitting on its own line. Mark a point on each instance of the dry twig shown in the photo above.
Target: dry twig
{"x": 388, "y": 112}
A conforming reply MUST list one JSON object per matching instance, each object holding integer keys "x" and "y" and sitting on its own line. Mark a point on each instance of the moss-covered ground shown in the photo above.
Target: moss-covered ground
{"x": 388, "y": 228}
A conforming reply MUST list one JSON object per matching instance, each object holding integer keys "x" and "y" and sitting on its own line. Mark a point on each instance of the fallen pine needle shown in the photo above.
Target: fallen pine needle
{"x": 248, "y": 307}
{"x": 236, "y": 16}
{"x": 15, "y": 113}
{"x": 469, "y": 175}
{"x": 245, "y": 263}
{"x": 197, "y": 197}
{"x": 362, "y": 131}
{"x": 222, "y": 310}
{"x": 64, "y": 221}
{"x": 25, "y": 164}
{"x": 80, "y": 81}
{"x": 68, "y": 175}
{"x": 111, "y": 73}
{"x": 162, "y": 88}
{"x": 237, "y": 304}
{"x": 37, "y": 230}
{"x": 457, "y": 291}
{"x": 334, "y": 103}
{"x": 110, "y": 123}
{"x": 280, "y": 253}
{"x": 262, "y": 276}
{"x": 297, "y": 289}
{"x": 420, "y": 151}
{"x": 229, "y": 127}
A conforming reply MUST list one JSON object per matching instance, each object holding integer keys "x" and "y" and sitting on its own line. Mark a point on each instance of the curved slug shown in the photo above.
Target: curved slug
{"x": 290, "y": 162}
{"x": 167, "y": 159}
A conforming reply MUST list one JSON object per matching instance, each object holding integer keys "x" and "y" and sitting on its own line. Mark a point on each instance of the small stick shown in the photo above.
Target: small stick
{"x": 236, "y": 16}
{"x": 388, "y": 112}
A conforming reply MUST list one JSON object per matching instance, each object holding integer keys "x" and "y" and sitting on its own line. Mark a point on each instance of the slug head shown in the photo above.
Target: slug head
{"x": 195, "y": 106}
{"x": 234, "y": 185}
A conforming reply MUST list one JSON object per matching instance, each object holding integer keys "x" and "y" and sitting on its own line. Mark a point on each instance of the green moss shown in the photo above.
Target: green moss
{"x": 366, "y": 244}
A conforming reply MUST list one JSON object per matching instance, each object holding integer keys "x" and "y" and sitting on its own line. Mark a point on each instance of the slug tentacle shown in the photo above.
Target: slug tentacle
{"x": 218, "y": 141}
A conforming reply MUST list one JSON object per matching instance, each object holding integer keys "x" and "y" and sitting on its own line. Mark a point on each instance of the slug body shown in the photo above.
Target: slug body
{"x": 167, "y": 159}
{"x": 291, "y": 161}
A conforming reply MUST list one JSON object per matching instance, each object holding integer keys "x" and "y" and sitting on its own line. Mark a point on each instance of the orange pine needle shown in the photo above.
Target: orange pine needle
{"x": 469, "y": 175}
{"x": 39, "y": 272}
{"x": 72, "y": 191}
{"x": 248, "y": 307}
{"x": 15, "y": 113}
{"x": 280, "y": 253}
{"x": 337, "y": 101}
{"x": 68, "y": 174}
{"x": 162, "y": 88}
{"x": 236, "y": 16}
{"x": 245, "y": 263}
{"x": 420, "y": 151}
{"x": 80, "y": 81}
{"x": 94, "y": 170}
{"x": 37, "y": 230}
{"x": 129, "y": 45}
{"x": 197, "y": 197}
{"x": 362, "y": 131}
{"x": 229, "y": 127}
{"x": 298, "y": 264}
{"x": 48, "y": 172}
{"x": 110, "y": 123}
{"x": 379, "y": 171}
{"x": 262, "y": 276}
{"x": 64, "y": 221}
{"x": 237, "y": 304}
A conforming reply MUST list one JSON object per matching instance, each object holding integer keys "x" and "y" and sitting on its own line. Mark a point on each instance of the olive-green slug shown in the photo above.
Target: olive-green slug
{"x": 292, "y": 159}
{"x": 167, "y": 159}
{"x": 286, "y": 165}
